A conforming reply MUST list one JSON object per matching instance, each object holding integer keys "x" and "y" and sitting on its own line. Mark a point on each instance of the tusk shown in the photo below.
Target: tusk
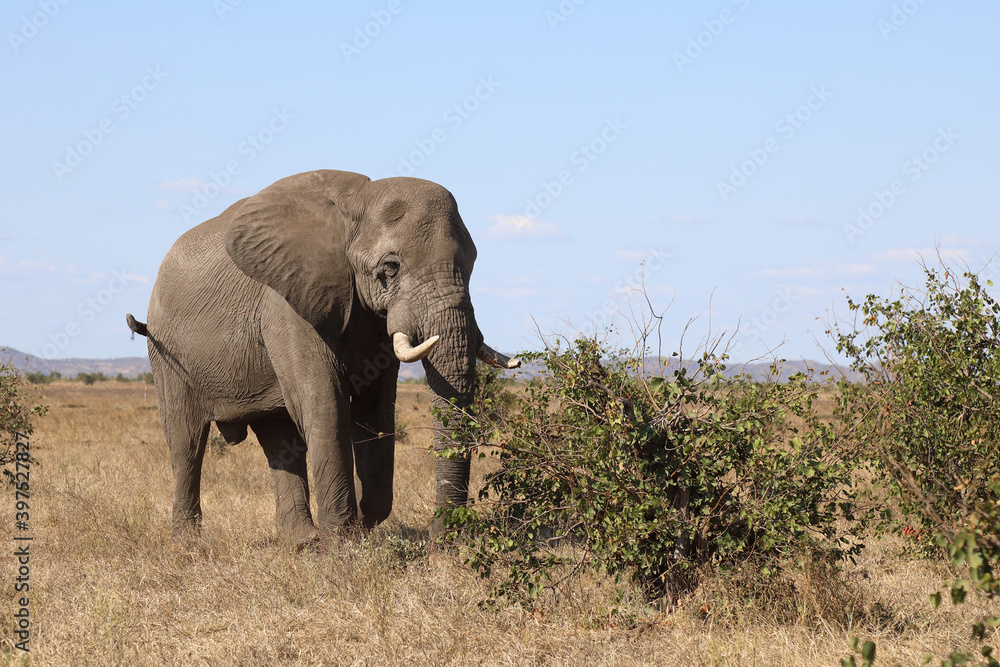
{"x": 495, "y": 359}
{"x": 405, "y": 351}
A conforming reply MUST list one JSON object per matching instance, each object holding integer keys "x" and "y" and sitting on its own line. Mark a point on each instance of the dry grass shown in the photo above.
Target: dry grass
{"x": 110, "y": 587}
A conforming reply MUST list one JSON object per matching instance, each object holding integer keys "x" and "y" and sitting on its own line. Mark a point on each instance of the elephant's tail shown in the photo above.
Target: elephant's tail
{"x": 136, "y": 326}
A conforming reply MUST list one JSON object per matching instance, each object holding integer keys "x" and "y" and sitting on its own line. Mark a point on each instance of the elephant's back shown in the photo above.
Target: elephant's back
{"x": 198, "y": 281}
{"x": 204, "y": 317}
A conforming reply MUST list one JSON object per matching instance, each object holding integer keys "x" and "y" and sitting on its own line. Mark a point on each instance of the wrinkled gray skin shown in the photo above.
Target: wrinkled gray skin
{"x": 279, "y": 314}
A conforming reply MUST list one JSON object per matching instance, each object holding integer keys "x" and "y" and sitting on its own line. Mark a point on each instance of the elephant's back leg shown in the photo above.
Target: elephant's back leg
{"x": 185, "y": 426}
{"x": 286, "y": 457}
{"x": 373, "y": 413}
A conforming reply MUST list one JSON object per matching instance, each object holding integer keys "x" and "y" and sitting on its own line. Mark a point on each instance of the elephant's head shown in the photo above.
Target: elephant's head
{"x": 330, "y": 241}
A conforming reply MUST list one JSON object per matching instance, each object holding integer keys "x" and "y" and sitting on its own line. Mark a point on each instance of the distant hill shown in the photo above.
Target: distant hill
{"x": 759, "y": 371}
{"x": 414, "y": 371}
{"x": 133, "y": 366}
{"x": 128, "y": 366}
{"x": 69, "y": 368}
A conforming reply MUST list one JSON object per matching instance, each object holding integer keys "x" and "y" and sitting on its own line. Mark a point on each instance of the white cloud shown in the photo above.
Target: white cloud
{"x": 135, "y": 277}
{"x": 632, "y": 255}
{"x": 798, "y": 290}
{"x": 81, "y": 276}
{"x": 523, "y": 292}
{"x": 186, "y": 185}
{"x": 596, "y": 278}
{"x": 41, "y": 266}
{"x": 636, "y": 256}
{"x": 690, "y": 219}
{"x": 518, "y": 293}
{"x": 818, "y": 270}
{"x": 506, "y": 227}
{"x": 164, "y": 205}
{"x": 953, "y": 240}
{"x": 912, "y": 255}
{"x": 802, "y": 222}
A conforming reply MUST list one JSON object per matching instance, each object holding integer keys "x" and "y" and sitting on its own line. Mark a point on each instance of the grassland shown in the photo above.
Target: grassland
{"x": 110, "y": 587}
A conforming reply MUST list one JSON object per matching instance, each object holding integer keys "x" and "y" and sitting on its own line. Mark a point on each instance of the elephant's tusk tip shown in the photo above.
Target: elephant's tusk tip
{"x": 496, "y": 359}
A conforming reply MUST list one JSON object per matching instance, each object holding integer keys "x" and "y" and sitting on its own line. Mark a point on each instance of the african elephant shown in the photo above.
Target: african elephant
{"x": 289, "y": 313}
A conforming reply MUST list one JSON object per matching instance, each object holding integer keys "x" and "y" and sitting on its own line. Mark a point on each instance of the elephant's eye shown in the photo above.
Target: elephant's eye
{"x": 390, "y": 268}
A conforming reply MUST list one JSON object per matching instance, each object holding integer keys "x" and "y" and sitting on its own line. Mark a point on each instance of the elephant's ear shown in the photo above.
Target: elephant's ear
{"x": 292, "y": 236}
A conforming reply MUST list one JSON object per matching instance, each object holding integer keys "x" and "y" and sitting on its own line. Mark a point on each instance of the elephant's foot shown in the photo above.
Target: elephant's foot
{"x": 185, "y": 534}
{"x": 351, "y": 531}
{"x": 436, "y": 529}
{"x": 186, "y": 526}
{"x": 368, "y": 522}
{"x": 301, "y": 536}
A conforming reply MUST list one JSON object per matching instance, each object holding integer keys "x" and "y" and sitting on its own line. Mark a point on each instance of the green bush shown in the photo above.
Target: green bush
{"x": 605, "y": 467}
{"x": 926, "y": 415}
{"x": 16, "y": 412}
{"x": 37, "y": 377}
{"x": 91, "y": 378}
{"x": 926, "y": 421}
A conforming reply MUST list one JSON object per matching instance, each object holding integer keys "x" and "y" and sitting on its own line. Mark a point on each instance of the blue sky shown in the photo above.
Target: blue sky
{"x": 762, "y": 158}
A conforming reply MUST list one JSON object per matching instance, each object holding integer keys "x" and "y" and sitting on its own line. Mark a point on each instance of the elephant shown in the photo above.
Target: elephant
{"x": 289, "y": 314}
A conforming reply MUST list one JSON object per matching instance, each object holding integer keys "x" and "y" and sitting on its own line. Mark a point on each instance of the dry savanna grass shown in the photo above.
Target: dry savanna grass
{"x": 110, "y": 587}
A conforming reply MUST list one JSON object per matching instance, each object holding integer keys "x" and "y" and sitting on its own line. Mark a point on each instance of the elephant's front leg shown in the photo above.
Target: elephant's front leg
{"x": 322, "y": 411}
{"x": 314, "y": 387}
{"x": 332, "y": 459}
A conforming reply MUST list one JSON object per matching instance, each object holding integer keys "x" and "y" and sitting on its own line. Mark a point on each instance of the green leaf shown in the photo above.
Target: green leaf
{"x": 868, "y": 651}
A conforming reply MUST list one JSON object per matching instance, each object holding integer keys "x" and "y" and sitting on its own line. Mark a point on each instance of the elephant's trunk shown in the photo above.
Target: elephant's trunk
{"x": 451, "y": 375}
